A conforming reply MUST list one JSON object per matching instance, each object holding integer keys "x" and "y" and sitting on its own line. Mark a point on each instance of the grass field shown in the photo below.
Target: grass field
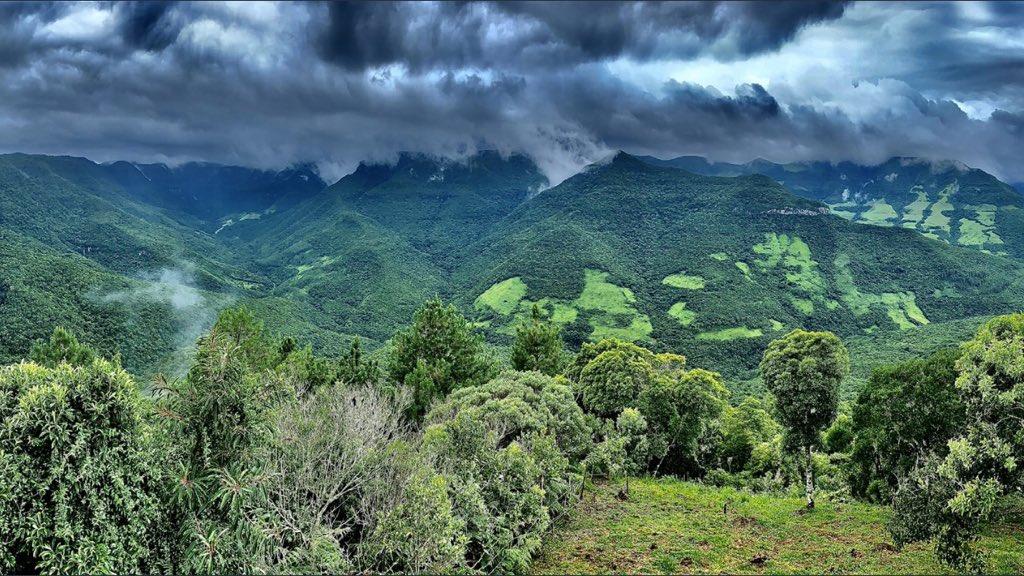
{"x": 670, "y": 526}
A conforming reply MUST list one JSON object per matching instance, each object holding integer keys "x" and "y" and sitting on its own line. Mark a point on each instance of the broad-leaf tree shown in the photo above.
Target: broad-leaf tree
{"x": 77, "y": 488}
{"x": 950, "y": 498}
{"x": 804, "y": 370}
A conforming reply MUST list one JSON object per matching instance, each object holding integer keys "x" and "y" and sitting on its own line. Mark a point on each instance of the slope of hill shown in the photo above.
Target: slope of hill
{"x": 945, "y": 200}
{"x": 80, "y": 251}
{"x": 672, "y": 527}
{"x": 367, "y": 251}
{"x": 217, "y": 195}
{"x": 715, "y": 267}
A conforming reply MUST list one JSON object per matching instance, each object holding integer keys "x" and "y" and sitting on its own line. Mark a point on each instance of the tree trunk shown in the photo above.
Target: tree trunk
{"x": 809, "y": 475}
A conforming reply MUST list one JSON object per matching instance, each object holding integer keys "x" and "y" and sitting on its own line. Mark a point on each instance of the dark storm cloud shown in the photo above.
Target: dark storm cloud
{"x": 361, "y": 35}
{"x": 149, "y": 25}
{"x": 271, "y": 84}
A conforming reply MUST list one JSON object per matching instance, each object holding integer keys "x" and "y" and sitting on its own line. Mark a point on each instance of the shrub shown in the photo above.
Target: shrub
{"x": 77, "y": 493}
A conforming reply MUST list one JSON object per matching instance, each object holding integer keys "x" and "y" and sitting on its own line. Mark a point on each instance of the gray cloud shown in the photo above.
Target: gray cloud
{"x": 269, "y": 84}
{"x": 517, "y": 35}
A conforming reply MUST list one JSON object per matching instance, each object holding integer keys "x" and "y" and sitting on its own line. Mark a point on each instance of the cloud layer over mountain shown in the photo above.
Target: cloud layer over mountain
{"x": 269, "y": 84}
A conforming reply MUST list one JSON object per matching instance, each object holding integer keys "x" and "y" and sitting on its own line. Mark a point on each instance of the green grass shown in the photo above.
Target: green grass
{"x": 613, "y": 313}
{"x": 745, "y": 269}
{"x": 731, "y": 334}
{"x": 503, "y": 297}
{"x": 937, "y": 219}
{"x": 680, "y": 313}
{"x": 681, "y": 280}
{"x": 669, "y": 526}
{"x": 794, "y": 256}
{"x": 913, "y": 213}
{"x": 900, "y": 307}
{"x": 980, "y": 231}
{"x": 881, "y": 213}
{"x": 720, "y": 256}
{"x": 803, "y": 305}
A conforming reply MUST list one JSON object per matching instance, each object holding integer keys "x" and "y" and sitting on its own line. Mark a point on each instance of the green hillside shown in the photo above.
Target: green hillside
{"x": 367, "y": 251}
{"x": 715, "y": 267}
{"x": 79, "y": 251}
{"x": 944, "y": 200}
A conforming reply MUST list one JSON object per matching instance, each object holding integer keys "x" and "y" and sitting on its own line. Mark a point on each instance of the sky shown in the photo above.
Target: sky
{"x": 271, "y": 84}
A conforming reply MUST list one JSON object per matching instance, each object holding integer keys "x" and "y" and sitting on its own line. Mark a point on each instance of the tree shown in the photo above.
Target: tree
{"x": 905, "y": 412}
{"x": 320, "y": 472}
{"x": 678, "y": 404}
{"x": 744, "y": 428}
{"x": 356, "y": 370}
{"x": 62, "y": 347}
{"x": 982, "y": 461}
{"x": 214, "y": 421}
{"x": 537, "y": 346}
{"x": 613, "y": 380}
{"x": 591, "y": 350}
{"x": 436, "y": 355}
{"x": 77, "y": 486}
{"x": 804, "y": 370}
{"x": 517, "y": 404}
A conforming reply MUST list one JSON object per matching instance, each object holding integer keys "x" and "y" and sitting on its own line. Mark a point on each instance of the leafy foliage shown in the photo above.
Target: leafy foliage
{"x": 982, "y": 461}
{"x": 77, "y": 493}
{"x": 803, "y": 370}
{"x": 61, "y": 347}
{"x": 215, "y": 421}
{"x": 906, "y": 412}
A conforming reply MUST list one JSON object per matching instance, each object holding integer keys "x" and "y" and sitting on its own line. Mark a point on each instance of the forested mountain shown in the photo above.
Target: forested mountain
{"x": 81, "y": 251}
{"x": 220, "y": 195}
{"x": 945, "y": 200}
{"x": 714, "y": 266}
{"x": 709, "y": 266}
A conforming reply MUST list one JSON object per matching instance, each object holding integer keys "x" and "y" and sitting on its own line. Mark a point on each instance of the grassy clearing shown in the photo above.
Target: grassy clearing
{"x": 730, "y": 334}
{"x": 913, "y": 213}
{"x": 794, "y": 256}
{"x": 881, "y": 213}
{"x": 503, "y": 297}
{"x": 612, "y": 310}
{"x": 720, "y": 256}
{"x": 321, "y": 262}
{"x": 900, "y": 307}
{"x": 981, "y": 230}
{"x": 803, "y": 305}
{"x": 680, "y": 313}
{"x": 745, "y": 269}
{"x": 937, "y": 219}
{"x": 972, "y": 233}
{"x": 669, "y": 526}
{"x": 681, "y": 280}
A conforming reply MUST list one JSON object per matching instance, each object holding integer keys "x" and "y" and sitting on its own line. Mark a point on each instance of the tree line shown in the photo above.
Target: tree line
{"x": 434, "y": 455}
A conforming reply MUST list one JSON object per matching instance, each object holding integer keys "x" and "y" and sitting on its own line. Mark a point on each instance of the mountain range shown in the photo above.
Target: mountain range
{"x": 707, "y": 259}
